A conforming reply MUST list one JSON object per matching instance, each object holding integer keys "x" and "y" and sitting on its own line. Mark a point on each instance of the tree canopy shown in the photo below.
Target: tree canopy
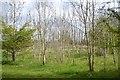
{"x": 14, "y": 39}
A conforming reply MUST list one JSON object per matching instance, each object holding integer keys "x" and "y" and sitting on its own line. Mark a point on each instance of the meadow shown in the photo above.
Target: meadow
{"x": 28, "y": 67}
{"x": 47, "y": 39}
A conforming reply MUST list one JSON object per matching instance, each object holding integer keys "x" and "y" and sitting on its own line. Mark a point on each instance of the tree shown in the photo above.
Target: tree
{"x": 106, "y": 35}
{"x": 14, "y": 39}
{"x": 44, "y": 34}
{"x": 115, "y": 30}
{"x": 39, "y": 27}
{"x": 84, "y": 12}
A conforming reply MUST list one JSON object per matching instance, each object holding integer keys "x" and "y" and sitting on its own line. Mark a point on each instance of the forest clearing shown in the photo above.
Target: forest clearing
{"x": 59, "y": 39}
{"x": 26, "y": 67}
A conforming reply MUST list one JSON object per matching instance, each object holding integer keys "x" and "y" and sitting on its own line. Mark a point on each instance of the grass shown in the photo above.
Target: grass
{"x": 27, "y": 67}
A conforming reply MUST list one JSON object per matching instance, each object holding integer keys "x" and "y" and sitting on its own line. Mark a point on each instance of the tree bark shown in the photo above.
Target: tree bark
{"x": 105, "y": 51}
{"x": 44, "y": 33}
{"x": 93, "y": 38}
{"x": 13, "y": 55}
{"x": 89, "y": 51}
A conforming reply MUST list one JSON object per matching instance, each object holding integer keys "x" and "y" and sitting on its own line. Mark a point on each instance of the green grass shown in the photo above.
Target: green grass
{"x": 27, "y": 67}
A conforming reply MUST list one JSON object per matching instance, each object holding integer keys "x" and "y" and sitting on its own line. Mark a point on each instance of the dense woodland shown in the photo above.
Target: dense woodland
{"x": 78, "y": 40}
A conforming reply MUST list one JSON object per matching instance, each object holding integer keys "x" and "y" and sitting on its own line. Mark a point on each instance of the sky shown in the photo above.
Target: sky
{"x": 57, "y": 3}
{"x": 29, "y": 5}
{"x": 56, "y": 0}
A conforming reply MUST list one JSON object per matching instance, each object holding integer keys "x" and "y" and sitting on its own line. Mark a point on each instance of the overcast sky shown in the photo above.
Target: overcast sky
{"x": 29, "y": 5}
{"x": 57, "y": 3}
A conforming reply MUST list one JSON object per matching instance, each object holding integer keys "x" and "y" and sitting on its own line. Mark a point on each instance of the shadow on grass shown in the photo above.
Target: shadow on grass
{"x": 9, "y": 62}
{"x": 84, "y": 74}
{"x": 87, "y": 74}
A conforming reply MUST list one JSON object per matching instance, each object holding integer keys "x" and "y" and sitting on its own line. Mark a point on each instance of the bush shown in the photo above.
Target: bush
{"x": 5, "y": 56}
{"x": 99, "y": 52}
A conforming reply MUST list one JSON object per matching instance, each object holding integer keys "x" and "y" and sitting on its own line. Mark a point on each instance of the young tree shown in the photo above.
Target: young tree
{"x": 14, "y": 42}
{"x": 39, "y": 27}
{"x": 83, "y": 10}
{"x": 44, "y": 36}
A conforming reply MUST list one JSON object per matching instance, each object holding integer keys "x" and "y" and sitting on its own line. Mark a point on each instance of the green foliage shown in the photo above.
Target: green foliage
{"x": 114, "y": 14}
{"x": 14, "y": 39}
{"x": 106, "y": 32}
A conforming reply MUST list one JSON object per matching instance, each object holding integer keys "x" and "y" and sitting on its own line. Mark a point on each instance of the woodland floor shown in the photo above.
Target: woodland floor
{"x": 27, "y": 67}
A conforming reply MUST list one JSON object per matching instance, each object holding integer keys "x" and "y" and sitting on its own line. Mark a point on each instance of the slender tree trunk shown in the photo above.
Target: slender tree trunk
{"x": 62, "y": 47}
{"x": 92, "y": 56}
{"x": 114, "y": 57}
{"x": 105, "y": 51}
{"x": 14, "y": 21}
{"x": 113, "y": 51}
{"x": 79, "y": 45}
{"x": 13, "y": 55}
{"x": 93, "y": 39}
{"x": 39, "y": 51}
{"x": 44, "y": 51}
{"x": 43, "y": 57}
{"x": 89, "y": 52}
{"x": 119, "y": 43}
{"x": 33, "y": 48}
{"x": 44, "y": 33}
{"x": 73, "y": 46}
